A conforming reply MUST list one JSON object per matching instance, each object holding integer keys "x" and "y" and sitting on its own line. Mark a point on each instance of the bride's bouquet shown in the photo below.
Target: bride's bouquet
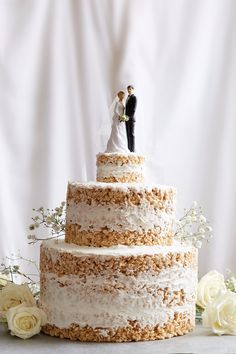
{"x": 123, "y": 118}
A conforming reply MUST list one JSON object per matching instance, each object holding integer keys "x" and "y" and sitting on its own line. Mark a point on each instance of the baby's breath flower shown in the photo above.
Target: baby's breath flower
{"x": 31, "y": 237}
{"x": 194, "y": 213}
{"x": 230, "y": 282}
{"x": 16, "y": 268}
{"x": 56, "y": 228}
{"x": 201, "y": 230}
{"x": 51, "y": 219}
{"x": 192, "y": 227}
{"x": 198, "y": 244}
{"x": 202, "y": 218}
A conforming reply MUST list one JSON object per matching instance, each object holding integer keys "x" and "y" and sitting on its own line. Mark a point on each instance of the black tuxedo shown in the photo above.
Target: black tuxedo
{"x": 130, "y": 107}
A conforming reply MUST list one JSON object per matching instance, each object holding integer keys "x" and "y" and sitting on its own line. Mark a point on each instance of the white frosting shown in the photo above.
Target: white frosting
{"x": 118, "y": 171}
{"x": 142, "y": 217}
{"x": 60, "y": 246}
{"x": 123, "y": 187}
{"x": 119, "y": 154}
{"x": 111, "y": 300}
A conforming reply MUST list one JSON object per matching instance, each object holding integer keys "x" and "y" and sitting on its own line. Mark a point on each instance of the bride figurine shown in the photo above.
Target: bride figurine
{"x": 118, "y": 138}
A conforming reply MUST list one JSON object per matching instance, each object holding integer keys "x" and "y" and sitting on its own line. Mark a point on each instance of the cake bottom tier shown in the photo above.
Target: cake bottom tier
{"x": 117, "y": 294}
{"x": 181, "y": 324}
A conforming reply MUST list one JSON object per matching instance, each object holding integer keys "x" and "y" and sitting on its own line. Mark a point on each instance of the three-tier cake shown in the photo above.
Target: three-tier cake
{"x": 118, "y": 275}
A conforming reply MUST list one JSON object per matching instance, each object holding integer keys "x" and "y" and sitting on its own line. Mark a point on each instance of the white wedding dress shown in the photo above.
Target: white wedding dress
{"x": 118, "y": 138}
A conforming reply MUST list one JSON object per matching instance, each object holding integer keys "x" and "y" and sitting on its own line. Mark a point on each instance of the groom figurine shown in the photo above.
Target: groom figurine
{"x": 130, "y": 107}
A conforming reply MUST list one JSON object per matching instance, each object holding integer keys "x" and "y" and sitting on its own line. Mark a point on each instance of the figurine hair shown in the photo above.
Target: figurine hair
{"x": 120, "y": 92}
{"x": 130, "y": 86}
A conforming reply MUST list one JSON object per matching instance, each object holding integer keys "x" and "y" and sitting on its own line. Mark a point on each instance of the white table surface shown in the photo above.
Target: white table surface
{"x": 201, "y": 341}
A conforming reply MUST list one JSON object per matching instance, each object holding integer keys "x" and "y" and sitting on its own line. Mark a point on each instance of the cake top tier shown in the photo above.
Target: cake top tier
{"x": 120, "y": 167}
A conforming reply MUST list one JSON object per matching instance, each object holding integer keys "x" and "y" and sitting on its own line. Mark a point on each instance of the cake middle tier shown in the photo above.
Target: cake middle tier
{"x": 107, "y": 214}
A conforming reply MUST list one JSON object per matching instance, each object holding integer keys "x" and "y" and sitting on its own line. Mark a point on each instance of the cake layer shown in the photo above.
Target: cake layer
{"x": 118, "y": 293}
{"x": 106, "y": 214}
{"x": 117, "y": 167}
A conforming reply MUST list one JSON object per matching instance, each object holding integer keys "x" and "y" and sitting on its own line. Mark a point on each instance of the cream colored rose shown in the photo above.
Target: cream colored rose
{"x": 13, "y": 295}
{"x": 24, "y": 322}
{"x": 209, "y": 287}
{"x": 220, "y": 314}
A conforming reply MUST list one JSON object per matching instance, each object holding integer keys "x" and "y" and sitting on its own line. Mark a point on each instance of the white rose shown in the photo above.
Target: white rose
{"x": 220, "y": 314}
{"x": 209, "y": 287}
{"x": 13, "y": 295}
{"x": 24, "y": 322}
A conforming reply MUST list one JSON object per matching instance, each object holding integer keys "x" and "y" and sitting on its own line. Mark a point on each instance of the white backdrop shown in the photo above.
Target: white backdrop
{"x": 61, "y": 63}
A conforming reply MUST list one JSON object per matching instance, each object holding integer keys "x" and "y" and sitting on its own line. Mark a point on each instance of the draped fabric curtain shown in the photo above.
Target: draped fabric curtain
{"x": 61, "y": 64}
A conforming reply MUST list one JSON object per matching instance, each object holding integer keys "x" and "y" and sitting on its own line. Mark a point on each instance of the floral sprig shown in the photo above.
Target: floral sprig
{"x": 193, "y": 227}
{"x": 10, "y": 272}
{"x": 51, "y": 219}
{"x": 230, "y": 281}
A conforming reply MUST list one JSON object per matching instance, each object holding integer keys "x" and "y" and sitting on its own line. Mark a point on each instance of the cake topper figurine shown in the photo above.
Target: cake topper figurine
{"x": 130, "y": 108}
{"x": 118, "y": 137}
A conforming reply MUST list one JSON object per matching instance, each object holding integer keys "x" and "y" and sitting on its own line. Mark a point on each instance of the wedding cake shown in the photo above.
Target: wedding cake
{"x": 118, "y": 275}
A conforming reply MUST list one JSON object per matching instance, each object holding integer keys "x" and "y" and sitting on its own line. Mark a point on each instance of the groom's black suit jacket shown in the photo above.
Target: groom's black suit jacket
{"x": 130, "y": 106}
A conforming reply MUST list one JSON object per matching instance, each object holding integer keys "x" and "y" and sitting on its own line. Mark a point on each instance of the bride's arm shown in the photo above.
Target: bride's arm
{"x": 116, "y": 109}
{"x": 119, "y": 109}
